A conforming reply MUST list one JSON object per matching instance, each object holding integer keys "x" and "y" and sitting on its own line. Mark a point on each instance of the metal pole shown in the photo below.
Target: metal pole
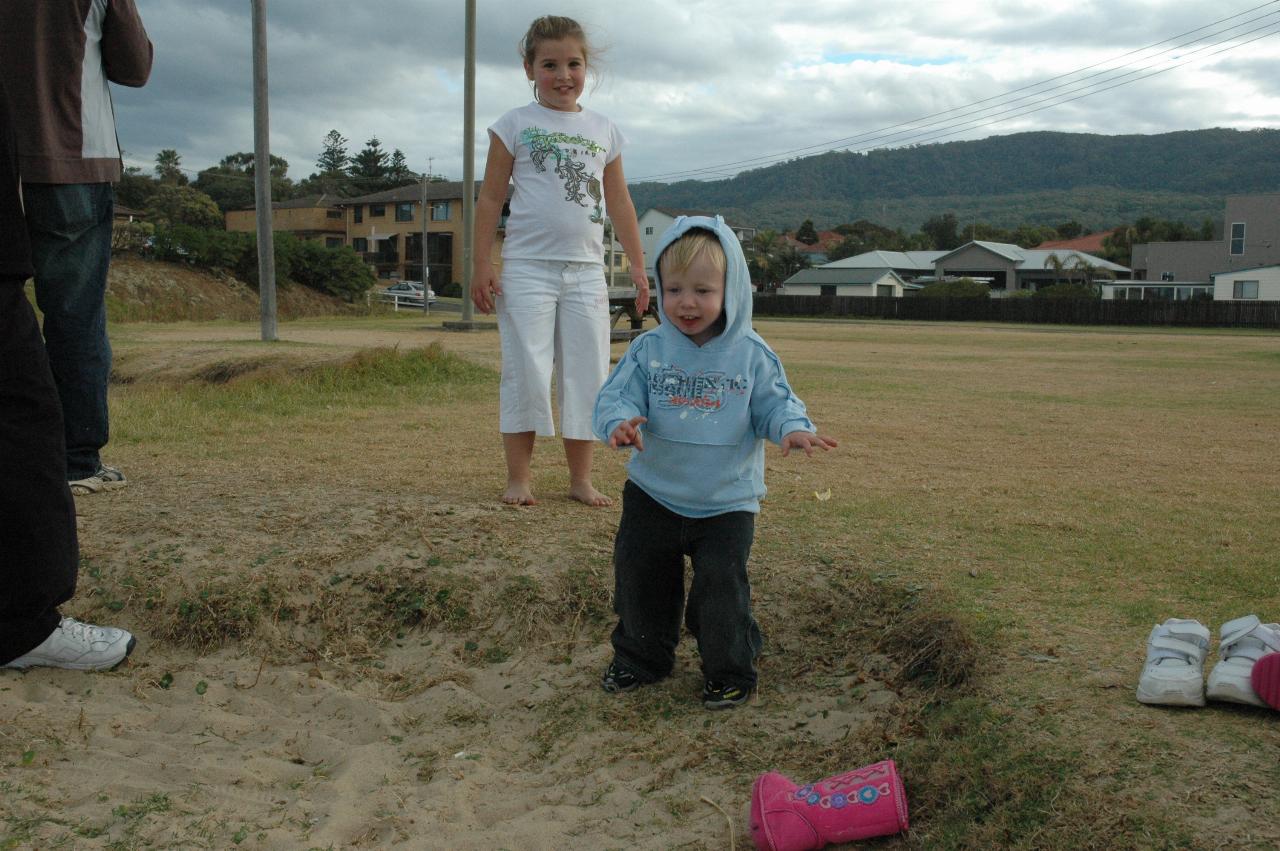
{"x": 468, "y": 159}
{"x": 262, "y": 174}
{"x": 426, "y": 271}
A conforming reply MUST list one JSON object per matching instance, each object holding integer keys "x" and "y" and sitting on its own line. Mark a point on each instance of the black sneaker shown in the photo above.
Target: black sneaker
{"x": 719, "y": 696}
{"x": 618, "y": 679}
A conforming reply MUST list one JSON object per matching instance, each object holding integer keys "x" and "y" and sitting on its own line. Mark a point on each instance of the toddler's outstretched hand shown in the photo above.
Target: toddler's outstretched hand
{"x": 806, "y": 441}
{"x": 628, "y": 434}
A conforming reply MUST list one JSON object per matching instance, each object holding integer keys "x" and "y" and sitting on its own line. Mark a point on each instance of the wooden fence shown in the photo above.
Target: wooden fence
{"x": 1207, "y": 314}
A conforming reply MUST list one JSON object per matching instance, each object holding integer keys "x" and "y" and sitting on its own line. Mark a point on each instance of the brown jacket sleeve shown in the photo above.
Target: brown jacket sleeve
{"x": 126, "y": 50}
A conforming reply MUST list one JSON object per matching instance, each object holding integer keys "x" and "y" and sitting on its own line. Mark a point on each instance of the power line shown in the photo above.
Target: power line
{"x": 968, "y": 110}
{"x": 884, "y": 133}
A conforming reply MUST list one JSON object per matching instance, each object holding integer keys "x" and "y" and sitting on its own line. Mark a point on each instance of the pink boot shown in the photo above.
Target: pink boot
{"x": 858, "y": 804}
{"x": 1265, "y": 679}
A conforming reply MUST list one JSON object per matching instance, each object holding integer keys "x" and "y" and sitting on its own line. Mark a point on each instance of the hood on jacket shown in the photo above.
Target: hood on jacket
{"x": 737, "y": 281}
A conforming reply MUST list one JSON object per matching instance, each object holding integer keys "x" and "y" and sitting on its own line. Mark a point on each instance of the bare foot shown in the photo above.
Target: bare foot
{"x": 518, "y": 494}
{"x": 588, "y": 495}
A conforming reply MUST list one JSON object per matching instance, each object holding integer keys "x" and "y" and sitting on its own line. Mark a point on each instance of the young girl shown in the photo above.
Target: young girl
{"x": 552, "y": 300}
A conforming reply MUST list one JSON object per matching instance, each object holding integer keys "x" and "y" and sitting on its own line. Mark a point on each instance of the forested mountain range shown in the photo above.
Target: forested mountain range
{"x": 1039, "y": 178}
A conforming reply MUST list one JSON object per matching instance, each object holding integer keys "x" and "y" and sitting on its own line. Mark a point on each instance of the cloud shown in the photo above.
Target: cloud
{"x": 693, "y": 83}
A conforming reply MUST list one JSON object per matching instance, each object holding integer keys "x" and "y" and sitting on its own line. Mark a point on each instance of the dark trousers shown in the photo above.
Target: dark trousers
{"x": 38, "y": 552}
{"x": 648, "y": 566}
{"x": 70, "y": 230}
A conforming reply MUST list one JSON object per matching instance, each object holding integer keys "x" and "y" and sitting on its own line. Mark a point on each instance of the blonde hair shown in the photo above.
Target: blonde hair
{"x": 680, "y": 254}
{"x": 553, "y": 28}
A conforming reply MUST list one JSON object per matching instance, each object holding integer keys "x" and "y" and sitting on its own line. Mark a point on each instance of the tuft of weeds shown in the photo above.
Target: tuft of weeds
{"x": 933, "y": 648}
{"x": 413, "y": 600}
{"x": 217, "y": 612}
{"x": 388, "y": 367}
{"x": 841, "y": 607}
{"x": 541, "y": 609}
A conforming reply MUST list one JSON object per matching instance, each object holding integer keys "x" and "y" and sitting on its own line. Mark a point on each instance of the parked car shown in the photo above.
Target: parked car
{"x": 407, "y": 292}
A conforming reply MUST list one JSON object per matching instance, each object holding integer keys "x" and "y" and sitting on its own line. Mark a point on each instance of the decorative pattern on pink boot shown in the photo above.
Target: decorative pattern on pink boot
{"x": 858, "y": 804}
{"x": 1265, "y": 679}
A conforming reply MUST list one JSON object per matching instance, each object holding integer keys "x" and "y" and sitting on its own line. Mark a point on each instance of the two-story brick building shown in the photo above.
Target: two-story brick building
{"x": 385, "y": 228}
{"x": 313, "y": 217}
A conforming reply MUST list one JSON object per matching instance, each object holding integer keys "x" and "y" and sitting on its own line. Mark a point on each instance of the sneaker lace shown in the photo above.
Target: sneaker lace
{"x": 79, "y": 631}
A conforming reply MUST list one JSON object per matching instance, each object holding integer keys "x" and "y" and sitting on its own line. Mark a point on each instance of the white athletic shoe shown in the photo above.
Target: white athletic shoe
{"x": 107, "y": 478}
{"x": 80, "y": 647}
{"x": 1242, "y": 642}
{"x": 1174, "y": 672}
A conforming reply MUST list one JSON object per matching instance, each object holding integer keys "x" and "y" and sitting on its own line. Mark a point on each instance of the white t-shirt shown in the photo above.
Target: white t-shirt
{"x": 557, "y": 208}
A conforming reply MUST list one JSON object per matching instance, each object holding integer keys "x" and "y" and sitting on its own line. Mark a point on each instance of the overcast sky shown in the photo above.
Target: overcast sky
{"x": 705, "y": 86}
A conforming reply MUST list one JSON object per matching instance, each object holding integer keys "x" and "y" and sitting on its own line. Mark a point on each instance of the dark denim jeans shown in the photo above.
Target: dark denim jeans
{"x": 70, "y": 228}
{"x": 648, "y": 565}
{"x": 38, "y": 554}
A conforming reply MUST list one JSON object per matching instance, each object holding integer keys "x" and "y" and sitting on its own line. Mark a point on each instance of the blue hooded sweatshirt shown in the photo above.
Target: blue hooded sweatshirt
{"x": 709, "y": 408}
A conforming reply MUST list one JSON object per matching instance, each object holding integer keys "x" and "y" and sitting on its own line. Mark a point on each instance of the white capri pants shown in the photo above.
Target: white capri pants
{"x": 553, "y": 319}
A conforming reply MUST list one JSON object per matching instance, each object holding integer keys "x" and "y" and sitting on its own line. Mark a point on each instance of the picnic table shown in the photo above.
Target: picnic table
{"x": 622, "y": 302}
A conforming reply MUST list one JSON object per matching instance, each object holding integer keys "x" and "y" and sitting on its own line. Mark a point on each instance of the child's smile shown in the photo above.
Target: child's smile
{"x": 693, "y": 298}
{"x": 559, "y": 73}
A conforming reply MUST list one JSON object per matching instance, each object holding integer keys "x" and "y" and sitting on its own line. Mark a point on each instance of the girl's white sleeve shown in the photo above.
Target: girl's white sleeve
{"x": 505, "y": 129}
{"x": 617, "y": 142}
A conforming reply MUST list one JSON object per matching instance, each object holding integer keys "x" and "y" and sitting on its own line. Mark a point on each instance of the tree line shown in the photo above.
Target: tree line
{"x": 184, "y": 218}
{"x": 168, "y": 192}
{"x": 774, "y": 258}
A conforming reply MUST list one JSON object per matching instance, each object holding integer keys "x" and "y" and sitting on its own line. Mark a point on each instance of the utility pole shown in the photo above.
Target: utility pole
{"x": 467, "y": 322}
{"x": 426, "y": 270}
{"x": 262, "y": 175}
{"x": 468, "y": 159}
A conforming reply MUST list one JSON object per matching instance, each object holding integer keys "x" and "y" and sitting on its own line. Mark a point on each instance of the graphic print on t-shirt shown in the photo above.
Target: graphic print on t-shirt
{"x": 672, "y": 387}
{"x": 545, "y": 143}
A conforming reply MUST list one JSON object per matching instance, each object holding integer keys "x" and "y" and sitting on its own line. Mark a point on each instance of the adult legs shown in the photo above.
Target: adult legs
{"x": 70, "y": 230}
{"x": 719, "y": 609}
{"x": 38, "y": 548}
{"x": 648, "y": 570}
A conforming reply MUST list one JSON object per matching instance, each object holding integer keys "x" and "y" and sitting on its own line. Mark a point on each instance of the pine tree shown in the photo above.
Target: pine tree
{"x": 369, "y": 167}
{"x": 334, "y": 159}
{"x": 806, "y": 233}
{"x": 398, "y": 173}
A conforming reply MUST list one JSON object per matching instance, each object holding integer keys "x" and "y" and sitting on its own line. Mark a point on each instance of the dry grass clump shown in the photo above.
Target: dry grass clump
{"x": 223, "y": 372}
{"x": 933, "y": 648}
{"x": 362, "y": 612}
{"x": 217, "y": 612}
{"x": 839, "y": 607}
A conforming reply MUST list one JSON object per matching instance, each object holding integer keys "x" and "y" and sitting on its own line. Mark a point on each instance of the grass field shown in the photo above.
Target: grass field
{"x": 388, "y": 655}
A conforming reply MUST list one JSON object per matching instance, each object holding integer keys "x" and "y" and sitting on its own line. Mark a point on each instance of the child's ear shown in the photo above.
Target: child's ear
{"x": 528, "y": 71}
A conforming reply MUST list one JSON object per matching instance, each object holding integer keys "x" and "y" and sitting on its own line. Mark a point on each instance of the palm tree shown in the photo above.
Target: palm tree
{"x": 763, "y": 245}
{"x": 1090, "y": 273}
{"x": 1059, "y": 267}
{"x": 169, "y": 168}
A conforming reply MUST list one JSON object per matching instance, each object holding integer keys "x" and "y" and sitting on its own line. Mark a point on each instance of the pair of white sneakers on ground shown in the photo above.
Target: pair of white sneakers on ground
{"x": 1248, "y": 668}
